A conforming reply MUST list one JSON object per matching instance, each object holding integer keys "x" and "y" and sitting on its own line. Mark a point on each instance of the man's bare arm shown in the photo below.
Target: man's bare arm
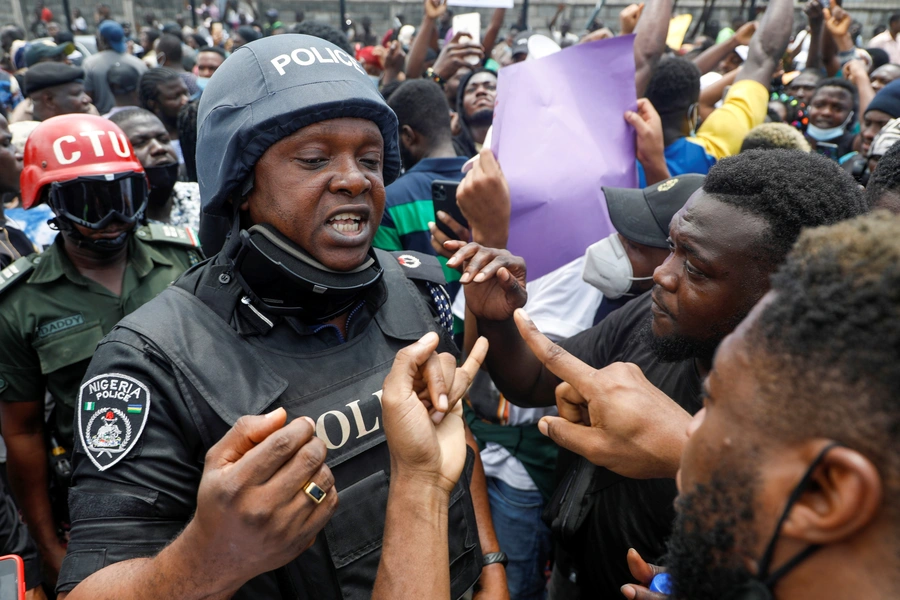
{"x": 650, "y": 41}
{"x": 768, "y": 45}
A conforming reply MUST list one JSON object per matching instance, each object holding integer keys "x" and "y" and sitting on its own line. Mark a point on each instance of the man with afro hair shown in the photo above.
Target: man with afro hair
{"x": 792, "y": 463}
{"x": 725, "y": 244}
{"x": 772, "y": 136}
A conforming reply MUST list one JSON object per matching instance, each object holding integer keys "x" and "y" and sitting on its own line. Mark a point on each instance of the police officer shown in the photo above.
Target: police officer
{"x": 56, "y": 306}
{"x": 298, "y": 318}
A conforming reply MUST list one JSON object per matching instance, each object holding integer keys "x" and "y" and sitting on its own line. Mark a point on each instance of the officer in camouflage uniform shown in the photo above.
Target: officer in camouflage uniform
{"x": 56, "y": 306}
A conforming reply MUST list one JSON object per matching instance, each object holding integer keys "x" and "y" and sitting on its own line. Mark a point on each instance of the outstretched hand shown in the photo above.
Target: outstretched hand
{"x": 613, "y": 416}
{"x": 494, "y": 279}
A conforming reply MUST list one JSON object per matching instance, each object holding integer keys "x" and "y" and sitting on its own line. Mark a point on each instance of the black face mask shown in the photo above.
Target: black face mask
{"x": 760, "y": 588}
{"x": 760, "y": 585}
{"x": 162, "y": 181}
{"x": 107, "y": 246}
{"x": 286, "y": 280}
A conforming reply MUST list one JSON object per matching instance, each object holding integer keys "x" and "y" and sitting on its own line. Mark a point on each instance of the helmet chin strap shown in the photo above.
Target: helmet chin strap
{"x": 110, "y": 246}
{"x": 286, "y": 280}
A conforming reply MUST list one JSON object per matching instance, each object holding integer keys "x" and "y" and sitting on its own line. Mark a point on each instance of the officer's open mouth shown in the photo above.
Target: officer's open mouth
{"x": 346, "y": 222}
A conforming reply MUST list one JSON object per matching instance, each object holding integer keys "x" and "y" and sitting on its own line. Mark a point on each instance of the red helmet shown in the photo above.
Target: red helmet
{"x": 69, "y": 147}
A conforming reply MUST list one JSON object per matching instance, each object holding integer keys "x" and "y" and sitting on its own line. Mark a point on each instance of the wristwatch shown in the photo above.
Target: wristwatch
{"x": 495, "y": 557}
{"x": 430, "y": 74}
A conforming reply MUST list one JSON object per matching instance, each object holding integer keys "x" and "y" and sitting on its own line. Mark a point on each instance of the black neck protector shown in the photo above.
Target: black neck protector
{"x": 286, "y": 280}
{"x": 108, "y": 246}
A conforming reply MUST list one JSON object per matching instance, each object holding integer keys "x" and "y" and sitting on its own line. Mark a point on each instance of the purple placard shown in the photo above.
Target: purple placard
{"x": 559, "y": 134}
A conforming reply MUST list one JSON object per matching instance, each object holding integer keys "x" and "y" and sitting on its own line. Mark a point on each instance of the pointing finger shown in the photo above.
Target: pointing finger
{"x": 561, "y": 363}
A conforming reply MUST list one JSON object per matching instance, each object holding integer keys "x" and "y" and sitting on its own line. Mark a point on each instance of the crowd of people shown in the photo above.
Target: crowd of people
{"x": 251, "y": 268}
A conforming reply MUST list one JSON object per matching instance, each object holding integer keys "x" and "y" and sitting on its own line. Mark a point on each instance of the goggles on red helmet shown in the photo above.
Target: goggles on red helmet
{"x": 95, "y": 201}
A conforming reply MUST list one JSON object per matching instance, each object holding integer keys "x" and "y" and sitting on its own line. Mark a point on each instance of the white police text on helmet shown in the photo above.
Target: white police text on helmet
{"x": 67, "y": 156}
{"x": 305, "y": 57}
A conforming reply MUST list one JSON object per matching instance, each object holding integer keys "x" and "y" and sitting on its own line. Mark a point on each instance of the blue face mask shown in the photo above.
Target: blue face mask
{"x": 201, "y": 82}
{"x": 376, "y": 79}
{"x": 823, "y": 135}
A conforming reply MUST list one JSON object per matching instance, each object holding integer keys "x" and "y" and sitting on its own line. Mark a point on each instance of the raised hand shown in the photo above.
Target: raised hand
{"x": 814, "y": 12}
{"x": 435, "y": 9}
{"x": 421, "y": 450}
{"x": 745, "y": 32}
{"x": 649, "y": 145}
{"x": 456, "y": 55}
{"x": 837, "y": 20}
{"x": 483, "y": 198}
{"x": 629, "y": 17}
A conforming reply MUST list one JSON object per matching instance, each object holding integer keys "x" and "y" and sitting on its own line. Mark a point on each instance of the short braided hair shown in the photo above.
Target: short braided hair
{"x": 150, "y": 82}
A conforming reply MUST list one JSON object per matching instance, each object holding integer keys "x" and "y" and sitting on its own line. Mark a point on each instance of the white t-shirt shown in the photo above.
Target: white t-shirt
{"x": 561, "y": 304}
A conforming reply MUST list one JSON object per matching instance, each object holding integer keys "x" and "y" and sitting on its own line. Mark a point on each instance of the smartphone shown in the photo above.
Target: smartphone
{"x": 470, "y": 24}
{"x": 443, "y": 195}
{"x": 12, "y": 577}
{"x": 827, "y": 150}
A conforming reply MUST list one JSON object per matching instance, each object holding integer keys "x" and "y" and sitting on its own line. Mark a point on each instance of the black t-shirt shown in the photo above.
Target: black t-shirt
{"x": 628, "y": 513}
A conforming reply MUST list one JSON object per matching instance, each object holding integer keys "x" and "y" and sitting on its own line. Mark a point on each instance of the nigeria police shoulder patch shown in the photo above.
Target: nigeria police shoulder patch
{"x": 112, "y": 412}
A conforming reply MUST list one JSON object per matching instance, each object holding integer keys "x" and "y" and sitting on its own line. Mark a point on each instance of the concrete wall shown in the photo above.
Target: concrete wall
{"x": 382, "y": 12}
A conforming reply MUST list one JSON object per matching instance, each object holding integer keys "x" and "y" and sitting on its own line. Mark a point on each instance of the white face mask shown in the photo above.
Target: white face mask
{"x": 607, "y": 268}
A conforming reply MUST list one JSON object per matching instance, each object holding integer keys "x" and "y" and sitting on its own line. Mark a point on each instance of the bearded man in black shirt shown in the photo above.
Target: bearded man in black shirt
{"x": 726, "y": 242}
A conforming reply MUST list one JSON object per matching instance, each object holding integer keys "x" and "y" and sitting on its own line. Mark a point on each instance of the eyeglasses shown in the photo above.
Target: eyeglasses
{"x": 95, "y": 201}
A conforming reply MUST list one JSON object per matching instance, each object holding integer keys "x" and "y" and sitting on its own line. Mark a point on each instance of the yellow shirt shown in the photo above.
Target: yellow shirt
{"x": 723, "y": 131}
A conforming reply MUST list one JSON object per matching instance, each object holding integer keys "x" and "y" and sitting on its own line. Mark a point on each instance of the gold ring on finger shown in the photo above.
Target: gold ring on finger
{"x": 315, "y": 492}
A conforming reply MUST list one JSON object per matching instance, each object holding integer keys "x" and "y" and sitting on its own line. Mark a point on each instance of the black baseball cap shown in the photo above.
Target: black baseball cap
{"x": 50, "y": 74}
{"x": 38, "y": 51}
{"x": 122, "y": 79}
{"x": 643, "y": 216}
{"x": 520, "y": 43}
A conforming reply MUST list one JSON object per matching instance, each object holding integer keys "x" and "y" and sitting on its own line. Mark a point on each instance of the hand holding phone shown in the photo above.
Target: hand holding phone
{"x": 443, "y": 195}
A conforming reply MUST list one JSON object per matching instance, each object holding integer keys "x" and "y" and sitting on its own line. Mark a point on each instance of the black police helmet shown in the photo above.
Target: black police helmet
{"x": 265, "y": 91}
